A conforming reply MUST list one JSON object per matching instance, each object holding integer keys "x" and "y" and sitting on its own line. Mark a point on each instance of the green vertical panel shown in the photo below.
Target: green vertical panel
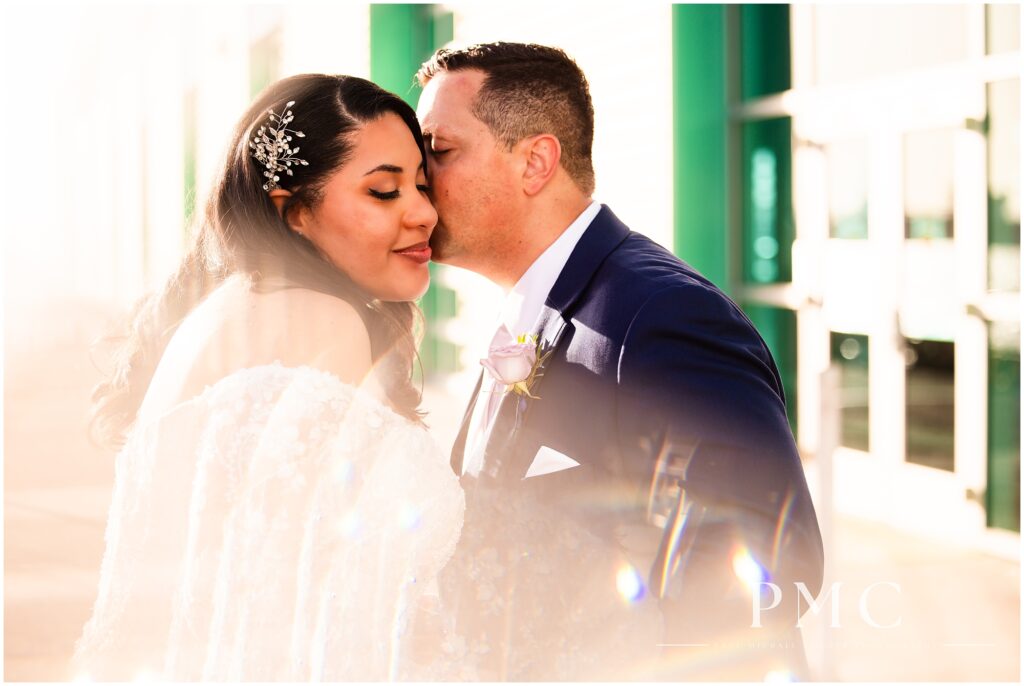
{"x": 764, "y": 30}
{"x": 700, "y": 127}
{"x": 778, "y": 328}
{"x": 402, "y": 37}
{"x": 1002, "y": 497}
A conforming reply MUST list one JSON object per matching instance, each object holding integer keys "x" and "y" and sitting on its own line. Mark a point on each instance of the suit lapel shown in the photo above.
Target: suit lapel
{"x": 459, "y": 447}
{"x": 601, "y": 238}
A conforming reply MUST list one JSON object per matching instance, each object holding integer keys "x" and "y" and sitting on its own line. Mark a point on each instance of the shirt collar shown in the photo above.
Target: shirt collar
{"x": 525, "y": 301}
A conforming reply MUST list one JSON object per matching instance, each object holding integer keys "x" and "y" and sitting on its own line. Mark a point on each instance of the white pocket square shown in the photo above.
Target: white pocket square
{"x": 548, "y": 461}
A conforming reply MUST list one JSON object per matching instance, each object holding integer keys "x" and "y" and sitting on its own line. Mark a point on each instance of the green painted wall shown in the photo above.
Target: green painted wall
{"x": 764, "y": 31}
{"x": 700, "y": 128}
{"x": 402, "y": 37}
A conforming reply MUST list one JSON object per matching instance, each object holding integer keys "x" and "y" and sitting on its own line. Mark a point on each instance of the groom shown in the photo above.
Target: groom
{"x": 631, "y": 478}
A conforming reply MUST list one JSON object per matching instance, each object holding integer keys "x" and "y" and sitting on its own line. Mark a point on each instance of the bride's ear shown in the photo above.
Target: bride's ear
{"x": 279, "y": 197}
{"x": 295, "y": 218}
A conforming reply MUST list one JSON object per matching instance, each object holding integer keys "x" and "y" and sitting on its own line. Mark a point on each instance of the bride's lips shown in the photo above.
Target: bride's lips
{"x": 419, "y": 253}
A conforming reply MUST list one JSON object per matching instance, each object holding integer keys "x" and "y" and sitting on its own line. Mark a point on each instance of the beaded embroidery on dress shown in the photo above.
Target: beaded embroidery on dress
{"x": 283, "y": 525}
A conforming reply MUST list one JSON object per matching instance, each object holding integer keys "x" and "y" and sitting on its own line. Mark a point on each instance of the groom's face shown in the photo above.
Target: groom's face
{"x": 473, "y": 177}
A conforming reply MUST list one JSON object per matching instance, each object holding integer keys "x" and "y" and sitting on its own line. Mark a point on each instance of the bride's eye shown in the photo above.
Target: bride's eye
{"x": 384, "y": 195}
{"x": 423, "y": 188}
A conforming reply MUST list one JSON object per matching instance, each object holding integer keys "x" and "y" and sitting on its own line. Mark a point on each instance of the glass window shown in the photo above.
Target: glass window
{"x": 928, "y": 183}
{"x": 850, "y": 354}
{"x": 1004, "y": 185}
{"x": 847, "y": 165}
{"x": 1002, "y": 497}
{"x": 930, "y": 403}
{"x": 768, "y": 201}
{"x": 855, "y": 42}
{"x": 439, "y": 305}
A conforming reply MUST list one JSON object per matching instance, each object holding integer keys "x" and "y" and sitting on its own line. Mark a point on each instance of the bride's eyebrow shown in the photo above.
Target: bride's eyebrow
{"x": 385, "y": 168}
{"x": 390, "y": 168}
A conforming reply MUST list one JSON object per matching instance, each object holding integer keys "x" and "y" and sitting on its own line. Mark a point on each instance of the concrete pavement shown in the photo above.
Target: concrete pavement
{"x": 955, "y": 609}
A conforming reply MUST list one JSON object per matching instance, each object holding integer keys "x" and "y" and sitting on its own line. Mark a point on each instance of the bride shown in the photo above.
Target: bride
{"x": 279, "y": 511}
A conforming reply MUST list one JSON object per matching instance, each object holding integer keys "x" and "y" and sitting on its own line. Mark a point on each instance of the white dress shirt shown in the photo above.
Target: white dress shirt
{"x": 520, "y": 312}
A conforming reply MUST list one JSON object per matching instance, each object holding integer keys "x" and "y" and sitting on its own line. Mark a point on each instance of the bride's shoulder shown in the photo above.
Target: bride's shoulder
{"x": 239, "y": 327}
{"x": 303, "y": 327}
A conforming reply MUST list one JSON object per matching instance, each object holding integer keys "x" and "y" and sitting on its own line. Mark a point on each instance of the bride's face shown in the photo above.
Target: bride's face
{"x": 374, "y": 219}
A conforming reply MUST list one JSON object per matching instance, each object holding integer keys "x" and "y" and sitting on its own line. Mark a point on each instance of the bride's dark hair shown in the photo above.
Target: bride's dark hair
{"x": 243, "y": 232}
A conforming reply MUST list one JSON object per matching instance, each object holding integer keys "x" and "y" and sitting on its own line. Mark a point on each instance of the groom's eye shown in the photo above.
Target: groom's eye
{"x": 438, "y": 153}
{"x": 384, "y": 195}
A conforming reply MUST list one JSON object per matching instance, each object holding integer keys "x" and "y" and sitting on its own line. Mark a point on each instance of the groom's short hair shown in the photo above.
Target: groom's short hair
{"x": 529, "y": 89}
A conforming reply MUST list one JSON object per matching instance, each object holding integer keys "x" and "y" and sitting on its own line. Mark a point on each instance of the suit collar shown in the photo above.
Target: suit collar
{"x": 603, "y": 235}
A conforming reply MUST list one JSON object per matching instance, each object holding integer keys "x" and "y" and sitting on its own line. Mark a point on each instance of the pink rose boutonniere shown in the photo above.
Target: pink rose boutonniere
{"x": 515, "y": 362}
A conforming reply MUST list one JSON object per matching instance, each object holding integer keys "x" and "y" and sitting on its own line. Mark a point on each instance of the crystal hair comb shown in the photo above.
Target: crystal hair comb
{"x": 273, "y": 150}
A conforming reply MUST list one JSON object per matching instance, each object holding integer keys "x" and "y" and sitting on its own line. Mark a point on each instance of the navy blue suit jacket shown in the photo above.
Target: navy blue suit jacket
{"x": 663, "y": 391}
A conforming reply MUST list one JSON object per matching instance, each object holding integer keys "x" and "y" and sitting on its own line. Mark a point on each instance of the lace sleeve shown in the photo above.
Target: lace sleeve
{"x": 278, "y": 527}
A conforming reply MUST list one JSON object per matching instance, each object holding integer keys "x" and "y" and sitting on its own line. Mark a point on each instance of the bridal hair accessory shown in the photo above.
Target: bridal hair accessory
{"x": 273, "y": 150}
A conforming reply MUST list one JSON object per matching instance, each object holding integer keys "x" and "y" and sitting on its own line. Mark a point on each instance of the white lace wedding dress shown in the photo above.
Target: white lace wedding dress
{"x": 281, "y": 526}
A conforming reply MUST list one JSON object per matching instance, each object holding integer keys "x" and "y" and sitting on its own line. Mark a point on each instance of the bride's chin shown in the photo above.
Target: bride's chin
{"x": 420, "y": 292}
{"x": 412, "y": 294}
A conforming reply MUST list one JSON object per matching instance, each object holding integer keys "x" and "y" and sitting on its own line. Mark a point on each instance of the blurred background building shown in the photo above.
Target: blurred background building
{"x": 849, "y": 174}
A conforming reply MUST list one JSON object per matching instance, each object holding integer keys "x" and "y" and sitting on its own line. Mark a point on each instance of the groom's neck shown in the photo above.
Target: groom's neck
{"x": 538, "y": 230}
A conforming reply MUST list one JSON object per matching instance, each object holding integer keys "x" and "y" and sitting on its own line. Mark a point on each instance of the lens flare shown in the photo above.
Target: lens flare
{"x": 350, "y": 526}
{"x": 630, "y": 584}
{"x": 779, "y": 676}
{"x": 409, "y": 517}
{"x": 343, "y": 472}
{"x": 748, "y": 570}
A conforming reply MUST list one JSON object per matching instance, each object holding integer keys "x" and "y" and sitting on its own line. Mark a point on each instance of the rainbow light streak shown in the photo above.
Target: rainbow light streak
{"x": 672, "y": 559}
{"x": 780, "y": 527}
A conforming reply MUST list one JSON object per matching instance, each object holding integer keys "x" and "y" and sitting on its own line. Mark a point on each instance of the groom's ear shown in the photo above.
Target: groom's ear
{"x": 542, "y": 154}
